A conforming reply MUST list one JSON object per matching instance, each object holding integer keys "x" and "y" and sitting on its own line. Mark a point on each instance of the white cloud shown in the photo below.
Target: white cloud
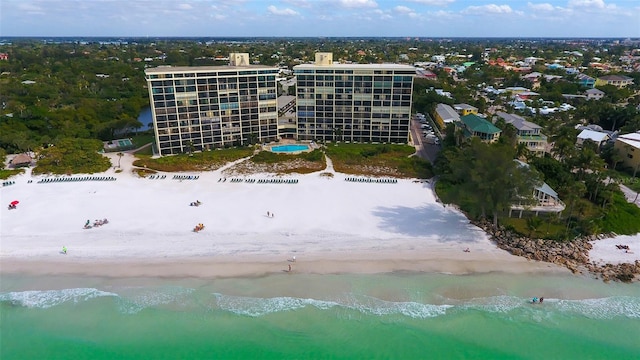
{"x": 185, "y": 6}
{"x": 299, "y": 3}
{"x": 31, "y": 9}
{"x": 488, "y": 9}
{"x": 351, "y": 4}
{"x": 433, "y": 2}
{"x": 383, "y": 15}
{"x": 541, "y": 7}
{"x": 587, "y": 3}
{"x": 283, "y": 12}
{"x": 402, "y": 9}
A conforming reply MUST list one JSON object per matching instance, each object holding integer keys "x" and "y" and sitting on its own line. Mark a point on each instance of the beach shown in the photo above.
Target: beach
{"x": 330, "y": 225}
{"x": 338, "y": 269}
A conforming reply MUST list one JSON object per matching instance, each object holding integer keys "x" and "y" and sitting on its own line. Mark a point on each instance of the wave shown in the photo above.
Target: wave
{"x": 134, "y": 300}
{"x": 49, "y": 298}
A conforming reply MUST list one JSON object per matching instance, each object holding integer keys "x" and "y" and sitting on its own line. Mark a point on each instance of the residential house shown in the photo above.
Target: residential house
{"x": 628, "y": 146}
{"x": 465, "y": 109}
{"x": 618, "y": 81}
{"x": 600, "y": 138}
{"x": 547, "y": 200}
{"x": 426, "y": 74}
{"x": 527, "y": 132}
{"x": 445, "y": 115}
{"x": 516, "y": 90}
{"x": 4, "y": 56}
{"x": 441, "y": 92}
{"x": 473, "y": 125}
{"x": 594, "y": 94}
{"x": 586, "y": 81}
{"x": 555, "y": 66}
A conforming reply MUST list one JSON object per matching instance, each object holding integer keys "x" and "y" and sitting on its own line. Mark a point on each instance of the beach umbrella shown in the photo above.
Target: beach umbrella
{"x": 15, "y": 202}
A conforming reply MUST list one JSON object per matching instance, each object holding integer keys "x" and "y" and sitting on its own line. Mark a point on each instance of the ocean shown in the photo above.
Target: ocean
{"x": 305, "y": 316}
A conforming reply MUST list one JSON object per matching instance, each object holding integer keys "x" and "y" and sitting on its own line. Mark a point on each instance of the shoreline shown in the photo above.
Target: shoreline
{"x": 331, "y": 225}
{"x": 258, "y": 266}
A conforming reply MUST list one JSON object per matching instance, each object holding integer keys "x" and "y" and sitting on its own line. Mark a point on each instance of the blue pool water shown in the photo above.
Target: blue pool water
{"x": 289, "y": 148}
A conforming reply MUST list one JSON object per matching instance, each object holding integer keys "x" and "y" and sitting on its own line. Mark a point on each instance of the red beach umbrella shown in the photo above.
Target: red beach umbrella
{"x": 15, "y": 202}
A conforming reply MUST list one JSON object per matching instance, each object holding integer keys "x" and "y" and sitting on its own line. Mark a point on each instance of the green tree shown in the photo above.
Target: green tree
{"x": 487, "y": 179}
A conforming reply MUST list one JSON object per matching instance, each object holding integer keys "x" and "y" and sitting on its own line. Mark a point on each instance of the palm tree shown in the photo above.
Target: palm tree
{"x": 337, "y": 132}
{"x": 120, "y": 155}
{"x": 533, "y": 223}
{"x": 522, "y": 151}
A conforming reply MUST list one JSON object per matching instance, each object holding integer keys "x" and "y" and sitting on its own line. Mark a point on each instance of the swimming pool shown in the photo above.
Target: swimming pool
{"x": 289, "y": 148}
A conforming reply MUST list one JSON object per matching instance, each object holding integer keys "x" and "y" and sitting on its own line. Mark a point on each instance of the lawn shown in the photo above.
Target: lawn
{"x": 549, "y": 228}
{"x": 201, "y": 161}
{"x": 7, "y": 173}
{"x": 378, "y": 160}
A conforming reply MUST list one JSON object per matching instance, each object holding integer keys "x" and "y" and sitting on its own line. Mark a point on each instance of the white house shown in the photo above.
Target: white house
{"x": 596, "y": 136}
{"x": 594, "y": 94}
{"x": 547, "y": 200}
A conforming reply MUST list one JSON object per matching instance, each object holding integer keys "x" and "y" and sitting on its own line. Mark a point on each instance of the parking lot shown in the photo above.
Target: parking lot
{"x": 427, "y": 136}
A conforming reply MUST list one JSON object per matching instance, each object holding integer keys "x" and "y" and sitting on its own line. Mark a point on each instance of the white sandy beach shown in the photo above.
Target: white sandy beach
{"x": 329, "y": 224}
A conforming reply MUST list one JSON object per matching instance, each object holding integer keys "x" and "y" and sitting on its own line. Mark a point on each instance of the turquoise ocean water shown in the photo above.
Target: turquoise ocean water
{"x": 301, "y": 316}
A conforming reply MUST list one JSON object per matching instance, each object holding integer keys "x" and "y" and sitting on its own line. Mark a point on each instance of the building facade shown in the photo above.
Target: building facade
{"x": 585, "y": 81}
{"x": 200, "y": 108}
{"x": 353, "y": 102}
{"x": 628, "y": 147}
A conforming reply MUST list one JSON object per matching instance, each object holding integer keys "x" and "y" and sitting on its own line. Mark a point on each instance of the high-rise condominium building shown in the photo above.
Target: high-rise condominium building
{"x": 199, "y": 108}
{"x": 353, "y": 102}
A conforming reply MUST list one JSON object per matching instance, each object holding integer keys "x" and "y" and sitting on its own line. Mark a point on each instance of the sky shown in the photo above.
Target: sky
{"x": 330, "y": 18}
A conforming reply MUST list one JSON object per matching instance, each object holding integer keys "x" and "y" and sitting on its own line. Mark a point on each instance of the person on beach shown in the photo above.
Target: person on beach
{"x": 64, "y": 250}
{"x": 268, "y": 215}
{"x": 289, "y": 268}
{"x": 541, "y": 300}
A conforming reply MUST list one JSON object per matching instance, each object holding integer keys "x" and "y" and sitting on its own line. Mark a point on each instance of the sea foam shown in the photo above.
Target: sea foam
{"x": 251, "y": 306}
{"x": 48, "y": 298}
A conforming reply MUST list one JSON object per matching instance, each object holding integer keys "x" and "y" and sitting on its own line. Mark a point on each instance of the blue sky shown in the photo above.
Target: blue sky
{"x": 415, "y": 18}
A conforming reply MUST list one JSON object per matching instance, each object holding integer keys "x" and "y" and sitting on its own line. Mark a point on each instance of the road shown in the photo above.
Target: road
{"x": 426, "y": 151}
